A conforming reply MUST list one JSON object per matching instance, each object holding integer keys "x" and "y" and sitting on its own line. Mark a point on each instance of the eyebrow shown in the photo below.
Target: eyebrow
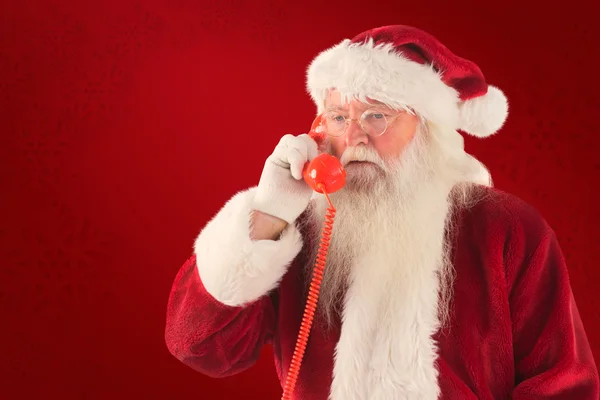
{"x": 340, "y": 108}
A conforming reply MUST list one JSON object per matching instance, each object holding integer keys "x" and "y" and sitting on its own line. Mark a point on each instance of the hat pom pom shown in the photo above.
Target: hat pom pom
{"x": 485, "y": 115}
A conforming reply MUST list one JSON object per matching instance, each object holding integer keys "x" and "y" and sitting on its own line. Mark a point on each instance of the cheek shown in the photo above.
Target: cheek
{"x": 387, "y": 146}
{"x": 391, "y": 145}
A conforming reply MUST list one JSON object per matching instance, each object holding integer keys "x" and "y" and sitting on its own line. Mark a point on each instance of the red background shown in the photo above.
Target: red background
{"x": 126, "y": 125}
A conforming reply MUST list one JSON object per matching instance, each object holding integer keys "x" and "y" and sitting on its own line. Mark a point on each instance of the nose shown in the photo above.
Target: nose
{"x": 355, "y": 135}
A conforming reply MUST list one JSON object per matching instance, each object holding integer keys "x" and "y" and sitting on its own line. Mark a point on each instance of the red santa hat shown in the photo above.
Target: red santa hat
{"x": 402, "y": 66}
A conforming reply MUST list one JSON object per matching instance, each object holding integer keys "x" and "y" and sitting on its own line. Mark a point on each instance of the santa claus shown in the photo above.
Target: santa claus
{"x": 437, "y": 286}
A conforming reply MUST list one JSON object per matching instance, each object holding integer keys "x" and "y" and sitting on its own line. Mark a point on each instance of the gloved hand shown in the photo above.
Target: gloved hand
{"x": 282, "y": 191}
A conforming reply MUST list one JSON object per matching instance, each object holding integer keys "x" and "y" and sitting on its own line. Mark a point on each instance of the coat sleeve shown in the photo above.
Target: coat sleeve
{"x": 222, "y": 307}
{"x": 553, "y": 358}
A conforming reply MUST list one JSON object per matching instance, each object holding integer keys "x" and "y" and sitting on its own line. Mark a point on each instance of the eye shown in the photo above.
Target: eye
{"x": 337, "y": 118}
{"x": 374, "y": 115}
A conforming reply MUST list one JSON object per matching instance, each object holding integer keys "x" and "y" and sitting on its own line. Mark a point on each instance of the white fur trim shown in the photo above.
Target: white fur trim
{"x": 485, "y": 115}
{"x": 234, "y": 269}
{"x": 361, "y": 70}
{"x": 386, "y": 348}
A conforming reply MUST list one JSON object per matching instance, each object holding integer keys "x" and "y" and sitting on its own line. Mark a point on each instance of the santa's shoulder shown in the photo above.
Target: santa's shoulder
{"x": 501, "y": 213}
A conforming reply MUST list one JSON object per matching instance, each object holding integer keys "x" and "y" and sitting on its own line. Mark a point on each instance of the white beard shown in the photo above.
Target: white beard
{"x": 388, "y": 273}
{"x": 401, "y": 208}
{"x": 392, "y": 217}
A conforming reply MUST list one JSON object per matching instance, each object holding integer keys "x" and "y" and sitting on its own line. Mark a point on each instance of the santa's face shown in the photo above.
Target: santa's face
{"x": 367, "y": 153}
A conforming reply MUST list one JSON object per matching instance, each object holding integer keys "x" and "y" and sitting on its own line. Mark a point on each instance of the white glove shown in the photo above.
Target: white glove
{"x": 282, "y": 191}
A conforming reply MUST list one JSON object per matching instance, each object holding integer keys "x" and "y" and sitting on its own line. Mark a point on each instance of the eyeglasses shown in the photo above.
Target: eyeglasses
{"x": 373, "y": 122}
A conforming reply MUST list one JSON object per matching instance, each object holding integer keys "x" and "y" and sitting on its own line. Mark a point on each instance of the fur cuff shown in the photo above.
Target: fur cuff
{"x": 234, "y": 269}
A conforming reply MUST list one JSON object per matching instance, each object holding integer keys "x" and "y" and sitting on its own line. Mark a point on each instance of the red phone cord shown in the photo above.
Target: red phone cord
{"x": 311, "y": 302}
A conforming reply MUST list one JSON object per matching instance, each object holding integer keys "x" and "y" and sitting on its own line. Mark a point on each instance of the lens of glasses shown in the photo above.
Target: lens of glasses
{"x": 372, "y": 122}
{"x": 334, "y": 123}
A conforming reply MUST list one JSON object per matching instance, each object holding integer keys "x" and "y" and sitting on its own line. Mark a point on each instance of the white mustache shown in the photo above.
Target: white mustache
{"x": 361, "y": 153}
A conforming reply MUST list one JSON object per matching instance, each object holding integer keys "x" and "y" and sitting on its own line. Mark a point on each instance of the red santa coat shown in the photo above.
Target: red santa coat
{"x": 515, "y": 329}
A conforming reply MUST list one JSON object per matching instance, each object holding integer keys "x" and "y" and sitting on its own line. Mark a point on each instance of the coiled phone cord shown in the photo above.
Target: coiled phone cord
{"x": 311, "y": 302}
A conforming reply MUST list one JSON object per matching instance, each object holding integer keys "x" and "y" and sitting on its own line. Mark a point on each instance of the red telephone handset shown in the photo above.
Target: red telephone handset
{"x": 324, "y": 174}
